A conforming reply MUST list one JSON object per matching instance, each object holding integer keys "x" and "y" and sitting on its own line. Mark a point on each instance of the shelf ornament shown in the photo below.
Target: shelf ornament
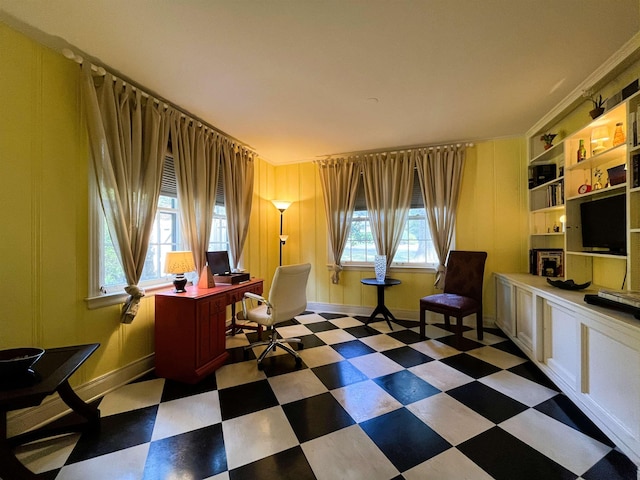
{"x": 547, "y": 138}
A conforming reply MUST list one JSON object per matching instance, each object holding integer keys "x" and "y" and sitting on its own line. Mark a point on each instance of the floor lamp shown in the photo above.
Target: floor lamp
{"x": 281, "y": 205}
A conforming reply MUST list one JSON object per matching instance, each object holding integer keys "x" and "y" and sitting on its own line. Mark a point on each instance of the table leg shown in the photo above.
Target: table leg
{"x": 91, "y": 413}
{"x": 381, "y": 309}
{"x": 10, "y": 466}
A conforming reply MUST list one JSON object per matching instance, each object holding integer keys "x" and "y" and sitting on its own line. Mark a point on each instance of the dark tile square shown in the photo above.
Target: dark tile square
{"x": 408, "y": 323}
{"x": 486, "y": 401}
{"x": 529, "y": 371}
{"x": 287, "y": 465}
{"x": 173, "y": 390}
{"x": 354, "y": 348}
{"x": 463, "y": 344}
{"x": 614, "y": 465}
{"x": 287, "y": 323}
{"x": 246, "y": 398}
{"x": 509, "y": 347}
{"x": 196, "y": 454}
{"x": 361, "y": 331}
{"x": 332, "y": 316}
{"x": 275, "y": 365}
{"x": 328, "y": 416}
{"x": 406, "y": 336}
{"x": 336, "y": 375}
{"x": 116, "y": 432}
{"x": 472, "y": 366}
{"x": 505, "y": 457}
{"x": 316, "y": 327}
{"x": 453, "y": 328}
{"x": 563, "y": 410}
{"x": 406, "y": 387}
{"x": 407, "y": 356}
{"x": 495, "y": 331}
{"x": 310, "y": 341}
{"x": 404, "y": 439}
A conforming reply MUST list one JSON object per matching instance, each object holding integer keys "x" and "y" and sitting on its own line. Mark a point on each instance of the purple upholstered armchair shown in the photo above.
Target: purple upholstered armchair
{"x": 462, "y": 293}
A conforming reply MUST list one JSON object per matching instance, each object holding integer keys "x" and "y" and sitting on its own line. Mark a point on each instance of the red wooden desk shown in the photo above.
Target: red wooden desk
{"x": 52, "y": 373}
{"x": 190, "y": 330}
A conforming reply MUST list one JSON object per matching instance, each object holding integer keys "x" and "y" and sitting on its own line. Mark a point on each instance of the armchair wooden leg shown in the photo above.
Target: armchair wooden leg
{"x": 479, "y": 326}
{"x": 422, "y": 324}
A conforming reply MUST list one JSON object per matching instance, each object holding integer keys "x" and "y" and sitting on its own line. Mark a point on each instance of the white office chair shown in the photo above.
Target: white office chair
{"x": 287, "y": 298}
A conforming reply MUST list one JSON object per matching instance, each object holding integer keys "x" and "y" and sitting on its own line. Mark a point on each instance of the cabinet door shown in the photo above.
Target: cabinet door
{"x": 524, "y": 318}
{"x": 210, "y": 336}
{"x": 561, "y": 343}
{"x": 505, "y": 318}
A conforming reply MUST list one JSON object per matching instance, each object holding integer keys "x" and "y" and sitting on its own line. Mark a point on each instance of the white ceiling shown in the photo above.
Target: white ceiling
{"x": 297, "y": 79}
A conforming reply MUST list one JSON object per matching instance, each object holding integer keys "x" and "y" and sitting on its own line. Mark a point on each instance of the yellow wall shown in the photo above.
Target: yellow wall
{"x": 492, "y": 217}
{"x": 44, "y": 219}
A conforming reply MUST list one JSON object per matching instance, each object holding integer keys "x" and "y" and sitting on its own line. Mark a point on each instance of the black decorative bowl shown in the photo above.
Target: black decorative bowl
{"x": 15, "y": 363}
{"x": 568, "y": 284}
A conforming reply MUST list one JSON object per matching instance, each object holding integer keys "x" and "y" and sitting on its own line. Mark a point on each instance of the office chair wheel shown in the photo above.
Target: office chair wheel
{"x": 298, "y": 362}
{"x": 260, "y": 366}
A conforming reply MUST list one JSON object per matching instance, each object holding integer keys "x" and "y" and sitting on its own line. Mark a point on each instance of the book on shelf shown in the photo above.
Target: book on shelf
{"x": 627, "y": 297}
{"x": 546, "y": 262}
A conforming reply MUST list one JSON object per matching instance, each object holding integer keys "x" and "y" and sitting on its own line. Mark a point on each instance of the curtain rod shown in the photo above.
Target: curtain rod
{"x": 399, "y": 149}
{"x": 100, "y": 70}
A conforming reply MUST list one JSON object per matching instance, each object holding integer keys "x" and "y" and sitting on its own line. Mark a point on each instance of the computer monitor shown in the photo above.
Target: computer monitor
{"x": 219, "y": 262}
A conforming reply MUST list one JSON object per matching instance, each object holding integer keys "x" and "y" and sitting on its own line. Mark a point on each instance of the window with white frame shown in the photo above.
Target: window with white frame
{"x": 415, "y": 248}
{"x": 165, "y": 236}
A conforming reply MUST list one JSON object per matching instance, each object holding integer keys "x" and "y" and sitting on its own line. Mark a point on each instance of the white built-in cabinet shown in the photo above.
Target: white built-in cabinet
{"x": 591, "y": 353}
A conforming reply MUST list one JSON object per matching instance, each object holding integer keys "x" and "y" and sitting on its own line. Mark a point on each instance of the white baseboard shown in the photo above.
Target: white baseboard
{"x": 52, "y": 408}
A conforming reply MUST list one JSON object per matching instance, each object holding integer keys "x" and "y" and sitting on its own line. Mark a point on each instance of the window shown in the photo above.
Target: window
{"x": 165, "y": 236}
{"x": 416, "y": 246}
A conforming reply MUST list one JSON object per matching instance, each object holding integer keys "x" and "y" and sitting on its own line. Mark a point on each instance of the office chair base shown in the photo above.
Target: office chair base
{"x": 273, "y": 343}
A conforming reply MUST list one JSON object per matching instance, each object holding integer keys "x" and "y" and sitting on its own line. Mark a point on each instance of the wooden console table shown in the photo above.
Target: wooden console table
{"x": 190, "y": 330}
{"x": 52, "y": 372}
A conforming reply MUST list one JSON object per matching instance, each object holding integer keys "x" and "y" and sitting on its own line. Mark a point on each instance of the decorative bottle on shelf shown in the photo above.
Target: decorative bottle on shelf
{"x": 618, "y": 135}
{"x": 582, "y": 152}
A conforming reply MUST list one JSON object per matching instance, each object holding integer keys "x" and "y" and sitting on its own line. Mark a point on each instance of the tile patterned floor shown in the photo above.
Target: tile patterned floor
{"x": 368, "y": 403}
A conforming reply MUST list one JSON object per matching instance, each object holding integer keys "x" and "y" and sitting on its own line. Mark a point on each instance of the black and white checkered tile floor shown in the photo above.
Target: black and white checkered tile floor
{"x": 368, "y": 403}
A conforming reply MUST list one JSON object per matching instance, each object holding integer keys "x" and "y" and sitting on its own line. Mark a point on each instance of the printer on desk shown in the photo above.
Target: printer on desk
{"x": 220, "y": 268}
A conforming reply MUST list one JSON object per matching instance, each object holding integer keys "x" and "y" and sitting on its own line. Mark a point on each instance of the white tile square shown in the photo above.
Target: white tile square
{"x": 132, "y": 397}
{"x": 496, "y": 357}
{"x": 317, "y": 356}
{"x": 293, "y": 331}
{"x": 518, "y": 388}
{"x": 331, "y": 337}
{"x": 365, "y": 400}
{"x": 452, "y": 420}
{"x": 310, "y": 318}
{"x": 450, "y": 464}
{"x": 382, "y": 342}
{"x": 257, "y": 435}
{"x": 375, "y": 365}
{"x": 186, "y": 414}
{"x": 441, "y": 375}
{"x": 346, "y": 322}
{"x": 488, "y": 338}
{"x": 293, "y": 386}
{"x": 563, "y": 444}
{"x": 348, "y": 454}
{"x": 48, "y": 454}
{"x": 435, "y": 349}
{"x": 123, "y": 464}
{"x": 234, "y": 374}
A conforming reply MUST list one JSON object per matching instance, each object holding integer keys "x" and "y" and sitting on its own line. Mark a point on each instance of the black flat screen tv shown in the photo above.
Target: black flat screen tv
{"x": 604, "y": 225}
{"x": 219, "y": 262}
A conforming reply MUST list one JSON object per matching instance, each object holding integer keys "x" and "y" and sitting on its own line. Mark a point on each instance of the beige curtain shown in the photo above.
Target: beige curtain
{"x": 440, "y": 173}
{"x": 388, "y": 182}
{"x": 196, "y": 158}
{"x": 339, "y": 179}
{"x": 237, "y": 165}
{"x": 128, "y": 135}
